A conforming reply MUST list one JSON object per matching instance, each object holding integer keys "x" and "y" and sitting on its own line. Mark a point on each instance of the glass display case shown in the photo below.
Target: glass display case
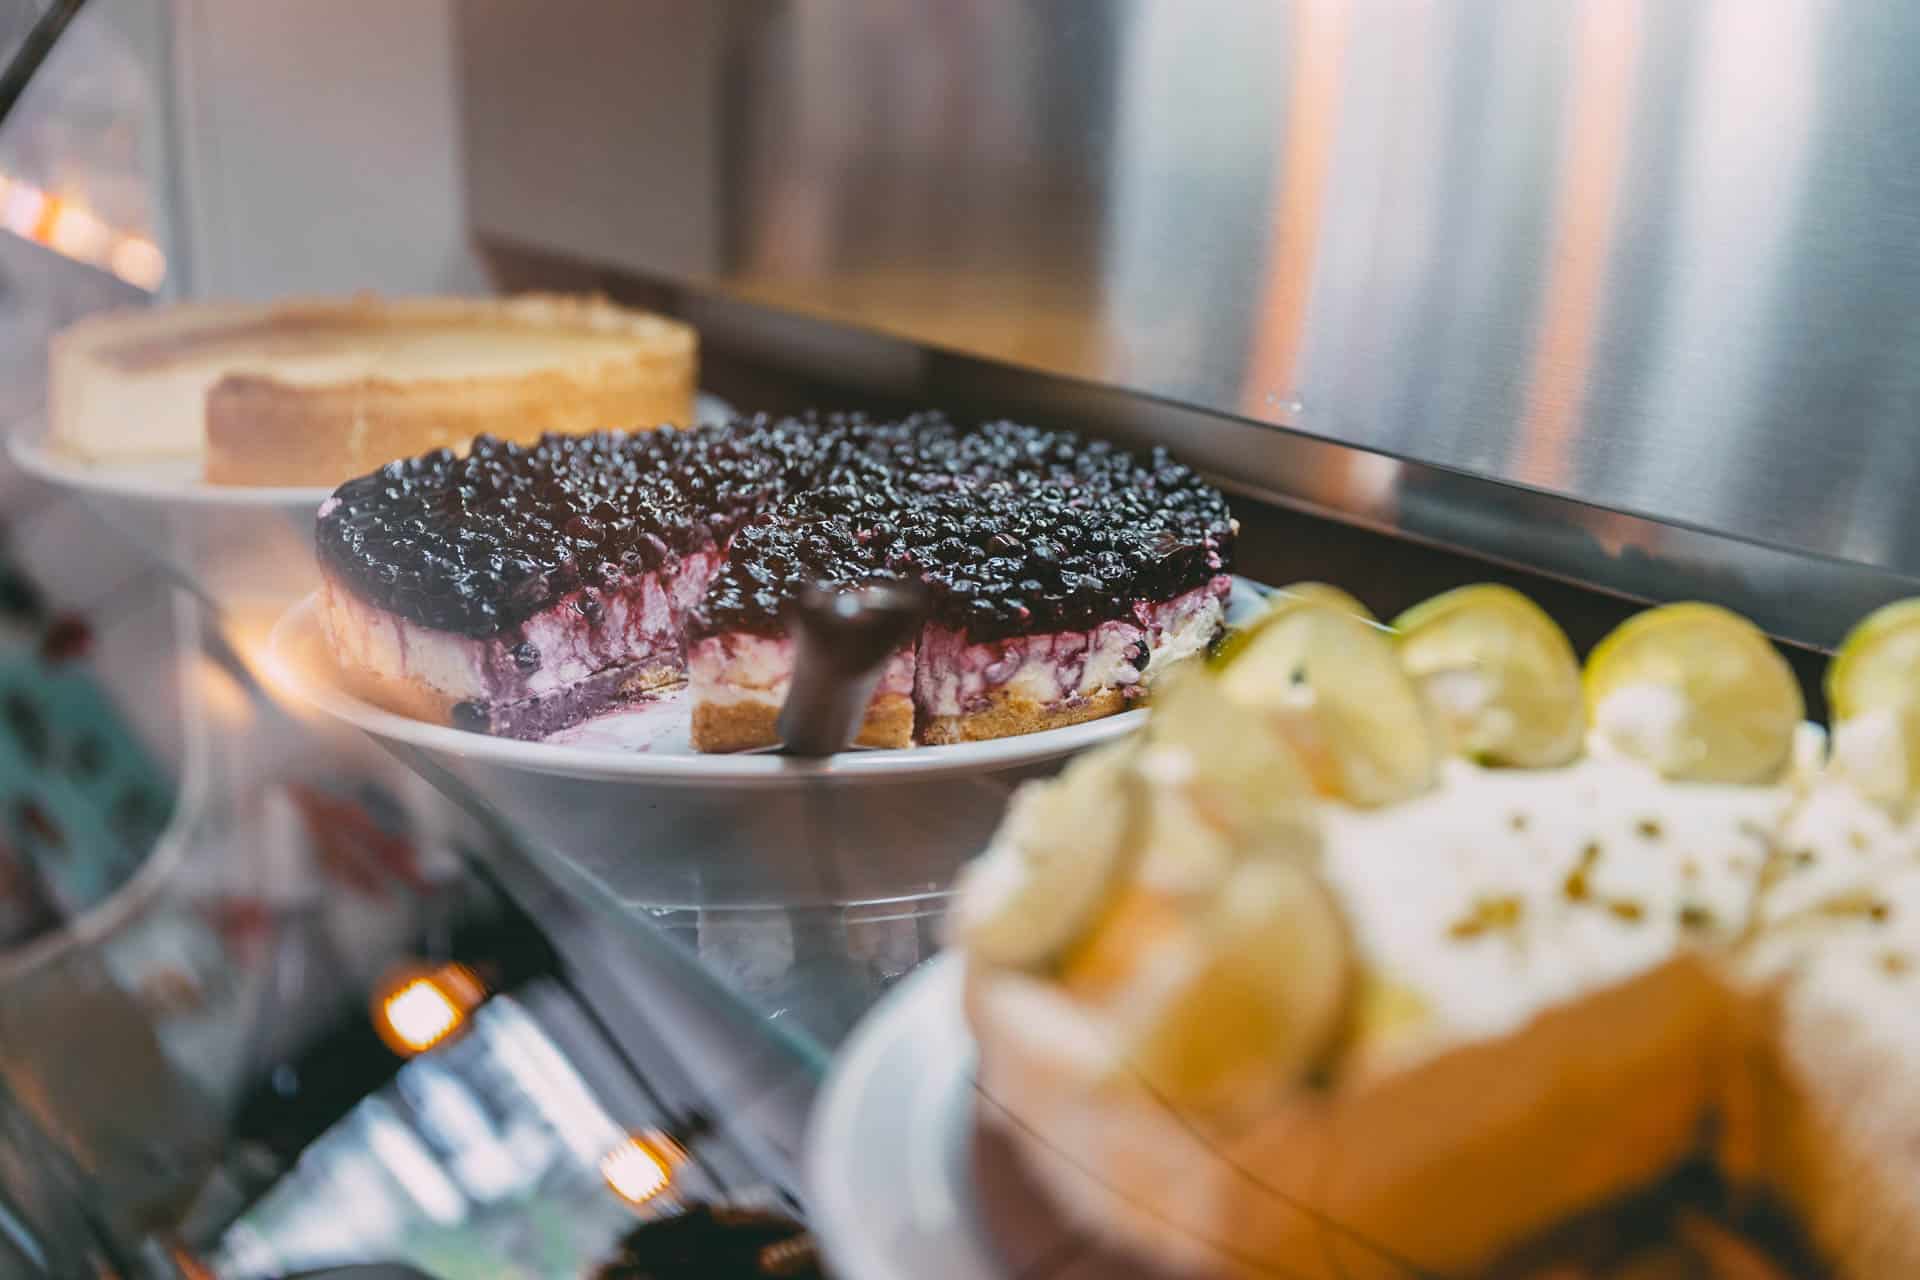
{"x": 298, "y": 975}
{"x": 213, "y": 899}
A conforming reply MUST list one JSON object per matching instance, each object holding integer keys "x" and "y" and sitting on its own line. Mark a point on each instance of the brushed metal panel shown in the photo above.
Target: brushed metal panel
{"x": 595, "y": 124}
{"x": 1647, "y": 267}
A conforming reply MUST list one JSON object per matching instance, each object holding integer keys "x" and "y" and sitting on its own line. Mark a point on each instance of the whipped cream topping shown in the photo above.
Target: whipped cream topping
{"x": 1646, "y": 722}
{"x": 1871, "y": 751}
{"x": 1502, "y": 893}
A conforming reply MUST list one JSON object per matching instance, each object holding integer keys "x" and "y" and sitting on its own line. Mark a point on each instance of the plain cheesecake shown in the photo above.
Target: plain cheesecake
{"x": 310, "y": 392}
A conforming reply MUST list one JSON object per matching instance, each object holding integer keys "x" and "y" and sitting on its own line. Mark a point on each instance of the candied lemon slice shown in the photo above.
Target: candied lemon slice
{"x": 1248, "y": 997}
{"x": 1873, "y": 687}
{"x": 1136, "y": 926}
{"x": 1697, "y": 692}
{"x": 1498, "y": 675}
{"x": 1878, "y": 664}
{"x": 1333, "y": 686}
{"x": 1282, "y": 602}
{"x": 1054, "y": 863}
{"x": 1217, "y": 778}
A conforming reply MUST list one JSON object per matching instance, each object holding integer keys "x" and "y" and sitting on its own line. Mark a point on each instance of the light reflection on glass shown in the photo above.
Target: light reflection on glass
{"x": 456, "y": 1167}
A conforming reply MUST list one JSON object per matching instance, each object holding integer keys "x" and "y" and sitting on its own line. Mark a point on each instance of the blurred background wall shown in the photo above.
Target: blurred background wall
{"x": 318, "y": 147}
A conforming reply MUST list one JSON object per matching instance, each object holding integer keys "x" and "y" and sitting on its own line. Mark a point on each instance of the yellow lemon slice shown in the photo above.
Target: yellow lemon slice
{"x": 1873, "y": 688}
{"x": 1333, "y": 686}
{"x": 1247, "y": 999}
{"x": 1878, "y": 664}
{"x": 1498, "y": 675}
{"x": 1279, "y": 604}
{"x": 1054, "y": 864}
{"x": 1217, "y": 779}
{"x": 1697, "y": 692}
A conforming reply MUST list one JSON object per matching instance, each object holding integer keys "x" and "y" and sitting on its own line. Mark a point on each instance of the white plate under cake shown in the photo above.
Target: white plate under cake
{"x": 519, "y": 590}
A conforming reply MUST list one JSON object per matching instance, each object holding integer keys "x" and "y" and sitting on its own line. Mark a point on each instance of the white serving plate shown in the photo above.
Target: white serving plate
{"x": 901, "y": 1181}
{"x": 888, "y": 1186}
{"x": 164, "y": 482}
{"x": 246, "y": 550}
{"x": 626, "y": 801}
{"x": 664, "y": 826}
{"x": 650, "y": 744}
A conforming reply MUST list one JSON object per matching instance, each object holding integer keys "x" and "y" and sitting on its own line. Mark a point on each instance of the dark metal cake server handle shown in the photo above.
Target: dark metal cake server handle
{"x": 842, "y": 640}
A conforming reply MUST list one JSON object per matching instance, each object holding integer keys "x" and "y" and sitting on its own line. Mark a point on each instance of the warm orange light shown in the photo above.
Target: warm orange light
{"x": 71, "y": 229}
{"x": 640, "y": 1168}
{"x": 138, "y": 261}
{"x": 419, "y": 1010}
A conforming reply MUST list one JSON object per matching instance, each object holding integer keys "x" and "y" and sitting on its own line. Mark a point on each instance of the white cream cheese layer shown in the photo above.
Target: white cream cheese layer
{"x": 741, "y": 667}
{"x": 636, "y": 622}
{"x": 956, "y": 676}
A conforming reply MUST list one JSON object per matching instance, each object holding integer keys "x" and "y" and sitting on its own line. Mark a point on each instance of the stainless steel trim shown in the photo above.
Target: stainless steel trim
{"x": 1619, "y": 289}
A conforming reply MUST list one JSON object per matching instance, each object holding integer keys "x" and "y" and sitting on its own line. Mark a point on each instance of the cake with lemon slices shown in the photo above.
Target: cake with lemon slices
{"x": 310, "y": 392}
{"x": 1385, "y": 952}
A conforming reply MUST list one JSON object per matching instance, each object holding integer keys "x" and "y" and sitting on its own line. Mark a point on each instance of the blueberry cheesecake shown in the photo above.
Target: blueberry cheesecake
{"x": 1386, "y": 953}
{"x": 519, "y": 589}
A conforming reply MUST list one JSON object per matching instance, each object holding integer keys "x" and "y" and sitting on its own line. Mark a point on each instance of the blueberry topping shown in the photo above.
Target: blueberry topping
{"x": 470, "y": 716}
{"x": 1015, "y": 528}
{"x": 526, "y": 656}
